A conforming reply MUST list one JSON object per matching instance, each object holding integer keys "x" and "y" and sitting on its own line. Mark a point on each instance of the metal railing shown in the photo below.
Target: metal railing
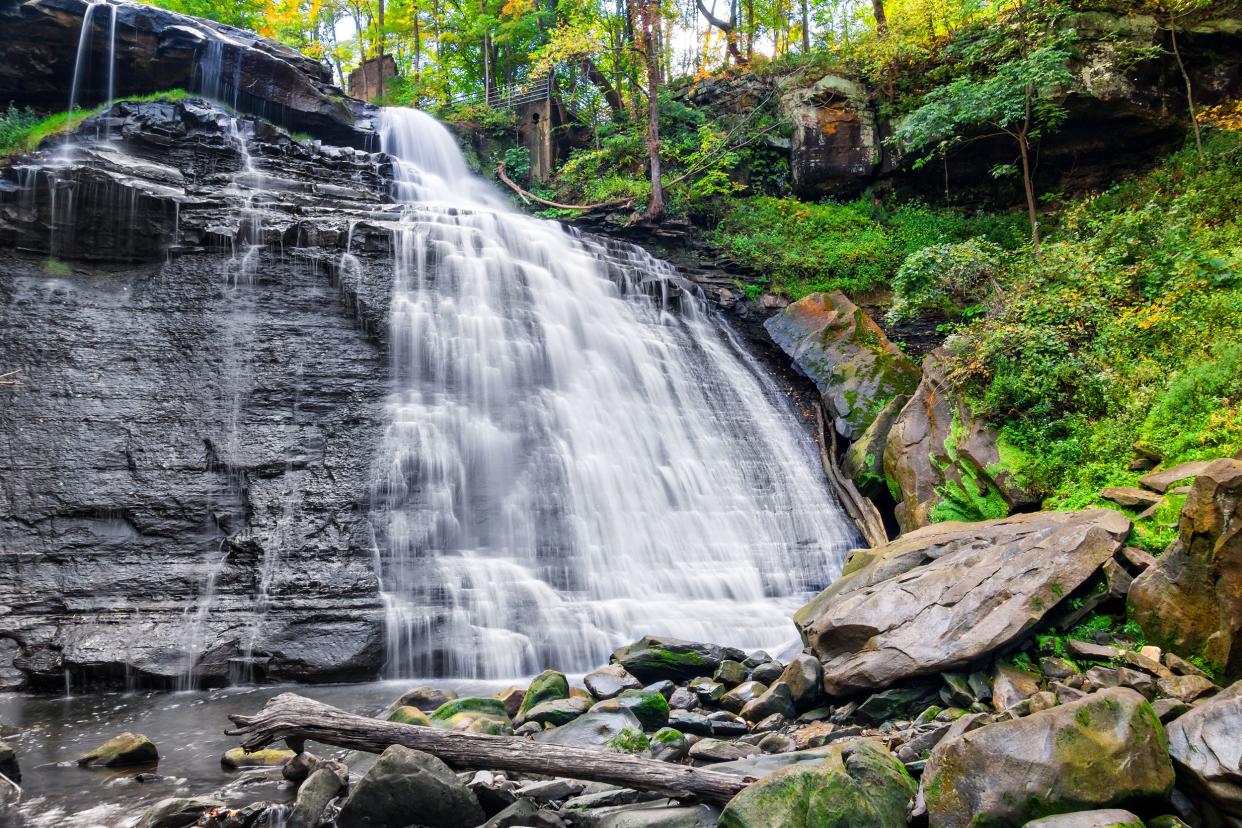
{"x": 511, "y": 95}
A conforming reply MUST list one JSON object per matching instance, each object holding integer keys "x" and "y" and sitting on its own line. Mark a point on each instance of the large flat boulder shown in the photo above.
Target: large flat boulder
{"x": 945, "y": 596}
{"x": 1105, "y": 750}
{"x": 944, "y": 462}
{"x": 843, "y": 351}
{"x": 1190, "y": 602}
{"x": 1206, "y": 746}
{"x": 158, "y": 50}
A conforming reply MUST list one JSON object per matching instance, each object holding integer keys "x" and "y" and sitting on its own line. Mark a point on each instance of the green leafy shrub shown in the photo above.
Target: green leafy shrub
{"x": 946, "y": 278}
{"x": 15, "y": 124}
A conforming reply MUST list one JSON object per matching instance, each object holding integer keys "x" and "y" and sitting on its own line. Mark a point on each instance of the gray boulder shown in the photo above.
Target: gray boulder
{"x": 407, "y": 785}
{"x": 654, "y": 658}
{"x": 320, "y": 788}
{"x": 8, "y": 762}
{"x": 593, "y": 729}
{"x": 1107, "y": 818}
{"x": 1206, "y": 746}
{"x": 1105, "y": 750}
{"x": 609, "y": 681}
{"x": 177, "y": 812}
{"x": 126, "y": 750}
{"x": 979, "y": 587}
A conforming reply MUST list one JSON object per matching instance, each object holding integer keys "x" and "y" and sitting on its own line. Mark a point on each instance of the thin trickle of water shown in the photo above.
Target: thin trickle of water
{"x": 568, "y": 462}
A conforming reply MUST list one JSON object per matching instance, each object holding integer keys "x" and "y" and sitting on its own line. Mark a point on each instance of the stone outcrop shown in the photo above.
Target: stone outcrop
{"x": 947, "y": 595}
{"x": 205, "y": 486}
{"x": 1190, "y": 601}
{"x": 835, "y": 147}
{"x": 944, "y": 462}
{"x": 1207, "y": 752}
{"x": 158, "y": 50}
{"x": 1104, "y": 750}
{"x": 857, "y": 370}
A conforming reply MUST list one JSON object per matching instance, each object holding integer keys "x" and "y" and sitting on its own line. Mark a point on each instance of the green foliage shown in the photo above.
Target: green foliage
{"x": 629, "y": 740}
{"x": 21, "y": 131}
{"x": 950, "y": 279}
{"x": 15, "y": 126}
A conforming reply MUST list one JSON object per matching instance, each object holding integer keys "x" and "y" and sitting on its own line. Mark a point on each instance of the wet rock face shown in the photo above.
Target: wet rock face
{"x": 158, "y": 50}
{"x": 187, "y": 460}
{"x": 835, "y": 143}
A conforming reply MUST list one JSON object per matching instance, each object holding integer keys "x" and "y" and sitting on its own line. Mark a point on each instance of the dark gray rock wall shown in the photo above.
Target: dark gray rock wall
{"x": 168, "y": 432}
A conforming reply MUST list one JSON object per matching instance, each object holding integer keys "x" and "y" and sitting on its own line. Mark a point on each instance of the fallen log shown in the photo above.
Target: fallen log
{"x": 529, "y": 196}
{"x": 297, "y": 719}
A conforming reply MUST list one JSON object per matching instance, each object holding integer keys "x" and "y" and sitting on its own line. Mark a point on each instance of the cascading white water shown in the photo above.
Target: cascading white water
{"x": 570, "y": 464}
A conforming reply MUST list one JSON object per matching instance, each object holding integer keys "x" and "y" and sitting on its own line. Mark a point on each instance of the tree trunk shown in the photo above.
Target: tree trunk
{"x": 729, "y": 27}
{"x": 297, "y": 719}
{"x": 600, "y": 80}
{"x": 648, "y": 11}
{"x": 1028, "y": 185}
{"x": 380, "y": 74}
{"x": 1190, "y": 94}
{"x": 881, "y": 19}
{"x": 806, "y": 28}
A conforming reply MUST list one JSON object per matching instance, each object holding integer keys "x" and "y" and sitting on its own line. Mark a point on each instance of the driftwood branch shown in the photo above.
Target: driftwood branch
{"x": 860, "y": 509}
{"x": 296, "y": 719}
{"x": 529, "y": 196}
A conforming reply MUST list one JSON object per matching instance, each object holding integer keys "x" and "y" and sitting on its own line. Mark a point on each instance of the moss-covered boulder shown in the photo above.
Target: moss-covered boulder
{"x": 426, "y": 699}
{"x": 648, "y": 706}
{"x": 1107, "y": 749}
{"x": 654, "y": 658}
{"x": 944, "y": 462}
{"x": 473, "y": 714}
{"x": 126, "y": 750}
{"x": 267, "y": 758}
{"x": 864, "y": 459}
{"x": 549, "y": 685}
{"x": 844, "y": 352}
{"x": 409, "y": 715}
{"x": 609, "y": 681}
{"x": 1105, "y": 818}
{"x": 857, "y": 785}
{"x": 557, "y": 711}
{"x": 1190, "y": 602}
{"x": 669, "y": 745}
{"x": 980, "y": 587}
{"x": 593, "y": 729}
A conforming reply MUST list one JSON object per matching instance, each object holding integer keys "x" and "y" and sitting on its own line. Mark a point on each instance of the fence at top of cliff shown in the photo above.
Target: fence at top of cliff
{"x": 511, "y": 95}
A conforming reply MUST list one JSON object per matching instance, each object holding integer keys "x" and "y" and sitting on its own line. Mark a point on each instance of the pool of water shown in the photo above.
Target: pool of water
{"x": 187, "y": 728}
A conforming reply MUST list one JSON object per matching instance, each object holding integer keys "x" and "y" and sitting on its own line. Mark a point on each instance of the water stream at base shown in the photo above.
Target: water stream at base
{"x": 578, "y": 453}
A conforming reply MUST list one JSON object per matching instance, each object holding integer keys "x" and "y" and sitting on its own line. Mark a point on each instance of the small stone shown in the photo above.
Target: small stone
{"x": 1107, "y": 818}
{"x": 774, "y": 722}
{"x": 1184, "y": 688}
{"x": 527, "y": 729}
{"x": 426, "y": 699}
{"x": 776, "y": 699}
{"x": 776, "y": 743}
{"x": 550, "y": 790}
{"x": 1169, "y": 709}
{"x": 756, "y": 658}
{"x": 1151, "y": 666}
{"x": 731, "y": 673}
{"x": 268, "y": 758}
{"x": 1093, "y": 652}
{"x": 178, "y": 812}
{"x": 668, "y": 745}
{"x": 804, "y": 677}
{"x": 726, "y": 726}
{"x": 550, "y": 685}
{"x": 1130, "y": 497}
{"x": 1102, "y": 677}
{"x": 608, "y": 682}
{"x": 409, "y": 715}
{"x": 1011, "y": 685}
{"x": 717, "y": 750}
{"x": 647, "y": 705}
{"x": 708, "y": 692}
{"x": 1182, "y": 667}
{"x": 815, "y": 714}
{"x": 1065, "y": 693}
{"x": 664, "y": 687}
{"x": 1137, "y": 680}
{"x": 559, "y": 711}
{"x": 980, "y": 685}
{"x": 1151, "y": 651}
{"x": 682, "y": 699}
{"x": 125, "y": 750}
{"x": 1056, "y": 668}
{"x": 1043, "y": 700}
{"x": 512, "y": 698}
{"x": 741, "y": 695}
{"x": 1137, "y": 559}
{"x": 767, "y": 672}
{"x": 688, "y": 722}
{"x": 956, "y": 690}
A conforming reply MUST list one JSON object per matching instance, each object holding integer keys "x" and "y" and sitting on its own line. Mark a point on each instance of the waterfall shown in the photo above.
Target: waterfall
{"x": 577, "y": 452}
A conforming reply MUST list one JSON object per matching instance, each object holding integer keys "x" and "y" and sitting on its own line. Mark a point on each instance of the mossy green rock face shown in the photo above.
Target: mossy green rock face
{"x": 126, "y": 750}
{"x": 557, "y": 711}
{"x": 864, "y": 460}
{"x": 1104, "y": 750}
{"x": 942, "y": 462}
{"x": 860, "y": 785}
{"x": 846, "y": 354}
{"x": 409, "y": 715}
{"x": 269, "y": 758}
{"x": 652, "y": 658}
{"x": 648, "y": 706}
{"x": 545, "y": 687}
{"x": 473, "y": 714}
